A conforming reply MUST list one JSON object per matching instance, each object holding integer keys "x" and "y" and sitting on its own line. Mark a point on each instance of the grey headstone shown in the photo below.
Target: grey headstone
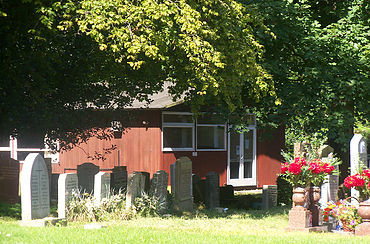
{"x": 135, "y": 188}
{"x": 269, "y": 196}
{"x": 172, "y": 173}
{"x": 158, "y": 188}
{"x": 86, "y": 173}
{"x": 118, "y": 179}
{"x": 212, "y": 196}
{"x": 35, "y": 192}
{"x": 183, "y": 192}
{"x": 146, "y": 176}
{"x": 101, "y": 186}
{"x": 54, "y": 187}
{"x": 358, "y": 155}
{"x": 325, "y": 150}
{"x": 329, "y": 189}
{"x": 67, "y": 185}
{"x": 199, "y": 188}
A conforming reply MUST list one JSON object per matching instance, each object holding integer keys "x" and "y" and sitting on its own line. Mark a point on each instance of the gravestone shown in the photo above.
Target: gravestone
{"x": 158, "y": 188}
{"x": 135, "y": 187}
{"x": 269, "y": 196}
{"x": 226, "y": 194}
{"x": 300, "y": 149}
{"x": 9, "y": 179}
{"x": 172, "y": 174}
{"x": 199, "y": 187}
{"x": 35, "y": 194}
{"x": 183, "y": 192}
{"x": 67, "y": 185}
{"x": 86, "y": 173}
{"x": 54, "y": 187}
{"x": 329, "y": 189}
{"x": 118, "y": 179}
{"x": 146, "y": 176}
{"x": 212, "y": 196}
{"x": 358, "y": 154}
{"x": 101, "y": 186}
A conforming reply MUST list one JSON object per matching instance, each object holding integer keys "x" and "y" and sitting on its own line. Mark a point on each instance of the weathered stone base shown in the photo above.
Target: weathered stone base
{"x": 309, "y": 229}
{"x": 184, "y": 205}
{"x": 299, "y": 218}
{"x": 48, "y": 221}
{"x": 363, "y": 229}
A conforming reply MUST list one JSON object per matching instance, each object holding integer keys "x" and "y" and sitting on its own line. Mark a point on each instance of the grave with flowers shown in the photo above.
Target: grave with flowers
{"x": 306, "y": 173}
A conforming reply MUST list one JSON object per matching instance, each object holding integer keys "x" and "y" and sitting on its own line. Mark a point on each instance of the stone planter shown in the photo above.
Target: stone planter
{"x": 315, "y": 194}
{"x": 364, "y": 212}
{"x": 299, "y": 197}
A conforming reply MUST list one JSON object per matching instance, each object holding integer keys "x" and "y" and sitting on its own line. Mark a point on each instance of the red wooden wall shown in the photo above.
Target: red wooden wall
{"x": 140, "y": 150}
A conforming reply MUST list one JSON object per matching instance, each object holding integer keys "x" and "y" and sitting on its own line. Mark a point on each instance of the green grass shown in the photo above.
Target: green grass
{"x": 254, "y": 226}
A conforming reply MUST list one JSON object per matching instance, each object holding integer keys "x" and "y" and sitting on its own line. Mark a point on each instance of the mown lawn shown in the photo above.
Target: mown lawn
{"x": 254, "y": 226}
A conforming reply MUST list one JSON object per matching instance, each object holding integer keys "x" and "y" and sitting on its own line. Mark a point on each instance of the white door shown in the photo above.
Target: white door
{"x": 241, "y": 168}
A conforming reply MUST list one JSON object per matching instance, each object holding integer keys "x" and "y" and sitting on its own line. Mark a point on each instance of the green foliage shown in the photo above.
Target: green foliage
{"x": 83, "y": 207}
{"x": 10, "y": 210}
{"x": 284, "y": 191}
{"x": 147, "y": 205}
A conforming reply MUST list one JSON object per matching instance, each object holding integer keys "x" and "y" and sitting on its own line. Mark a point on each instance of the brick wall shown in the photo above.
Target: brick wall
{"x": 9, "y": 179}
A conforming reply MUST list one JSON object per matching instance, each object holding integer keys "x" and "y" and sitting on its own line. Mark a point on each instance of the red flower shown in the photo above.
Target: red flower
{"x": 348, "y": 182}
{"x": 366, "y": 172}
{"x": 295, "y": 168}
{"x": 315, "y": 167}
{"x": 327, "y": 168}
{"x": 358, "y": 180}
{"x": 326, "y": 218}
{"x": 300, "y": 161}
{"x": 284, "y": 168}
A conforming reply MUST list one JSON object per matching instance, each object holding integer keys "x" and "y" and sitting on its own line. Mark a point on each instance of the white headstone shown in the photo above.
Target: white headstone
{"x": 358, "y": 155}
{"x": 101, "y": 186}
{"x": 35, "y": 192}
{"x": 67, "y": 184}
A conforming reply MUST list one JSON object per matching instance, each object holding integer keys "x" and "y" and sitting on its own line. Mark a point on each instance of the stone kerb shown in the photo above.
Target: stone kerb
{"x": 101, "y": 186}
{"x": 35, "y": 194}
{"x": 212, "y": 193}
{"x": 358, "y": 155}
{"x": 67, "y": 185}
{"x": 183, "y": 184}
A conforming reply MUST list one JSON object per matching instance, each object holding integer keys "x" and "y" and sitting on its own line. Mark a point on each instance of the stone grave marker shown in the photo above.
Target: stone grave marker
{"x": 226, "y": 194}
{"x": 146, "y": 176}
{"x": 358, "y": 154}
{"x": 35, "y": 194}
{"x": 86, "y": 173}
{"x": 269, "y": 196}
{"x": 9, "y": 179}
{"x": 212, "y": 196}
{"x": 183, "y": 192}
{"x": 172, "y": 174}
{"x": 67, "y": 184}
{"x": 101, "y": 186}
{"x": 118, "y": 179}
{"x": 199, "y": 186}
{"x": 54, "y": 187}
{"x": 329, "y": 189}
{"x": 135, "y": 187}
{"x": 158, "y": 187}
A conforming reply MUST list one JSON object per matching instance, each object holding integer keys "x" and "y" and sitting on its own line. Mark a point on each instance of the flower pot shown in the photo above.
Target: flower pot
{"x": 316, "y": 194}
{"x": 346, "y": 226}
{"x": 364, "y": 212}
{"x": 299, "y": 197}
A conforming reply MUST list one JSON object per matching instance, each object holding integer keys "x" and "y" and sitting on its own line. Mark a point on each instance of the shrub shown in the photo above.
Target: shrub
{"x": 147, "y": 205}
{"x": 284, "y": 191}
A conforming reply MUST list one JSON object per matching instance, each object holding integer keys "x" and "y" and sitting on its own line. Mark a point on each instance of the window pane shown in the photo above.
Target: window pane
{"x": 209, "y": 119}
{"x": 247, "y": 169}
{"x": 177, "y": 137}
{"x": 177, "y": 118}
{"x": 234, "y": 170}
{"x": 211, "y": 137}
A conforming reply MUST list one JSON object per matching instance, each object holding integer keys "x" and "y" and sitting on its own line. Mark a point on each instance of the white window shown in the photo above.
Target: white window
{"x": 177, "y": 131}
{"x": 211, "y": 134}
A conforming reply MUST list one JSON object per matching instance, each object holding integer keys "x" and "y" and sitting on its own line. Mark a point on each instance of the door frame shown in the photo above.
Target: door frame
{"x": 247, "y": 181}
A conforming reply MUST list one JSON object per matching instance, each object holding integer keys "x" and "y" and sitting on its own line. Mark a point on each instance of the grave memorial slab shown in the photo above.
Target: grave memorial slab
{"x": 199, "y": 187}
{"x": 135, "y": 187}
{"x": 269, "y": 196}
{"x": 9, "y": 179}
{"x": 183, "y": 192}
{"x": 67, "y": 184}
{"x": 158, "y": 187}
{"x": 118, "y": 179}
{"x": 212, "y": 193}
{"x": 86, "y": 173}
{"x": 35, "y": 193}
{"x": 358, "y": 154}
{"x": 172, "y": 179}
{"x": 101, "y": 186}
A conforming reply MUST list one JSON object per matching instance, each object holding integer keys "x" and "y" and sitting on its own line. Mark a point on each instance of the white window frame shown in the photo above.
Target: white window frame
{"x": 211, "y": 125}
{"x": 178, "y": 125}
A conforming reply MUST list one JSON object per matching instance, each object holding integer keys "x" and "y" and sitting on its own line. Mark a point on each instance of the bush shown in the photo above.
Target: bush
{"x": 147, "y": 205}
{"x": 284, "y": 191}
{"x": 10, "y": 210}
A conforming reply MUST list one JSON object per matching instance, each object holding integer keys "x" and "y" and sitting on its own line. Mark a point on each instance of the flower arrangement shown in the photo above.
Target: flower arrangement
{"x": 302, "y": 173}
{"x": 359, "y": 181}
{"x": 344, "y": 212}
